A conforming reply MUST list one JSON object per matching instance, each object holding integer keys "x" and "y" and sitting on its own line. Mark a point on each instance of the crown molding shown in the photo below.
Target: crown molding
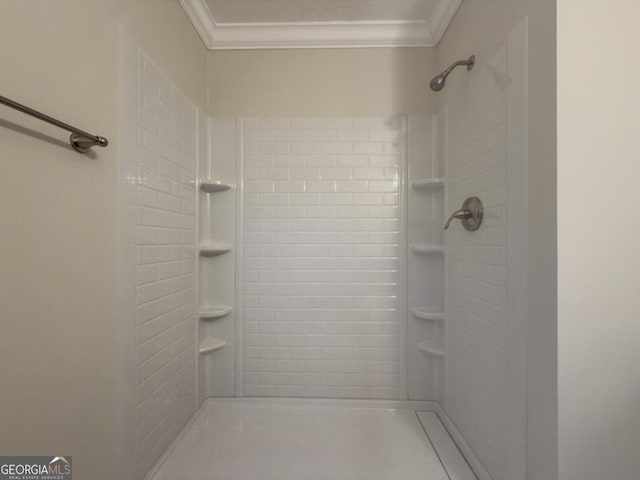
{"x": 441, "y": 15}
{"x": 321, "y": 35}
{"x": 201, "y": 18}
{"x": 228, "y": 36}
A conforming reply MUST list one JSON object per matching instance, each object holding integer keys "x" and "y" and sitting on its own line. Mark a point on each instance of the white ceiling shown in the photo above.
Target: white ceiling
{"x": 285, "y": 11}
{"x": 244, "y": 24}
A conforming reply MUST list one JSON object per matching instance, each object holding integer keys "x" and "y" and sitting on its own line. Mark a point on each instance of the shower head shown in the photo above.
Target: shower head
{"x": 438, "y": 82}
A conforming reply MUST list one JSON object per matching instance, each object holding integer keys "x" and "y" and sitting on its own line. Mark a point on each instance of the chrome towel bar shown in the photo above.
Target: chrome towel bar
{"x": 80, "y": 141}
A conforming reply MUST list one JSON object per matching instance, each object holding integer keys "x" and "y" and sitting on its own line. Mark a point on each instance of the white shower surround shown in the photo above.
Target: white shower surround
{"x": 159, "y": 150}
{"x": 465, "y": 420}
{"x": 323, "y": 257}
{"x": 486, "y": 156}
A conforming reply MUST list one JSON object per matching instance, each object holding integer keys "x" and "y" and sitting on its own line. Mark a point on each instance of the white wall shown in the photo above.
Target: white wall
{"x": 322, "y": 262}
{"x": 598, "y": 238}
{"x": 165, "y": 33}
{"x": 344, "y": 82}
{"x": 58, "y": 248}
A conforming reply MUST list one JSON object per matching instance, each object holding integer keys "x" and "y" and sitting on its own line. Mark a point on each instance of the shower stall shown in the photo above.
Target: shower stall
{"x": 306, "y": 257}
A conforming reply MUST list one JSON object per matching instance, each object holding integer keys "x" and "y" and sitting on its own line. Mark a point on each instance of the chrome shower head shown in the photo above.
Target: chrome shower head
{"x": 438, "y": 82}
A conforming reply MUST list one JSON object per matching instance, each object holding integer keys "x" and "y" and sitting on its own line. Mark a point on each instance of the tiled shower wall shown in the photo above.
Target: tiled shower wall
{"x": 321, "y": 257}
{"x": 165, "y": 319}
{"x": 485, "y": 160}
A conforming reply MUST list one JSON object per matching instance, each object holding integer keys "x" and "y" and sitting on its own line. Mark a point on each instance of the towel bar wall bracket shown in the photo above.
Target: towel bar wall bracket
{"x": 80, "y": 140}
{"x": 83, "y": 144}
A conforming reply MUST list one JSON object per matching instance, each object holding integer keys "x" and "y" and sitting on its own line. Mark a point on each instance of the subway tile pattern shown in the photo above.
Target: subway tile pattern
{"x": 165, "y": 318}
{"x": 477, "y": 266}
{"x": 321, "y": 257}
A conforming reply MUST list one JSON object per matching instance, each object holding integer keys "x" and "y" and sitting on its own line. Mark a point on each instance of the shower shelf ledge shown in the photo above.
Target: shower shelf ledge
{"x": 425, "y": 314}
{"x": 211, "y": 344}
{"x": 428, "y": 183}
{"x": 214, "y": 248}
{"x": 432, "y": 348}
{"x": 213, "y": 186}
{"x": 210, "y": 312}
{"x": 427, "y": 249}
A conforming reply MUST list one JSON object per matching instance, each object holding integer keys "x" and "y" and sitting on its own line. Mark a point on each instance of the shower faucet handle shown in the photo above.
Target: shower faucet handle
{"x": 470, "y": 214}
{"x": 461, "y": 214}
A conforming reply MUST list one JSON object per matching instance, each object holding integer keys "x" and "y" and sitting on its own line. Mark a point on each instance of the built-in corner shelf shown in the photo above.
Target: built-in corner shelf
{"x": 427, "y": 249}
{"x": 214, "y": 248}
{"x": 427, "y": 184}
{"x": 211, "y": 344}
{"x": 210, "y": 312}
{"x": 432, "y": 348}
{"x": 213, "y": 186}
{"x": 427, "y": 315}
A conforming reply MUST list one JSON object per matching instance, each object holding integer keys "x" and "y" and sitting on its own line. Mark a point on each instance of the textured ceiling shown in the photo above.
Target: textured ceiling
{"x": 293, "y": 11}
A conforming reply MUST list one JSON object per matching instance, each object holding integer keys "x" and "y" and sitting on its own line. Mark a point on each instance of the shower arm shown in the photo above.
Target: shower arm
{"x": 468, "y": 63}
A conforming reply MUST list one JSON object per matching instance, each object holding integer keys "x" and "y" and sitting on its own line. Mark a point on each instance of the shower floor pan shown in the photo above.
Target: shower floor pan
{"x": 290, "y": 439}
